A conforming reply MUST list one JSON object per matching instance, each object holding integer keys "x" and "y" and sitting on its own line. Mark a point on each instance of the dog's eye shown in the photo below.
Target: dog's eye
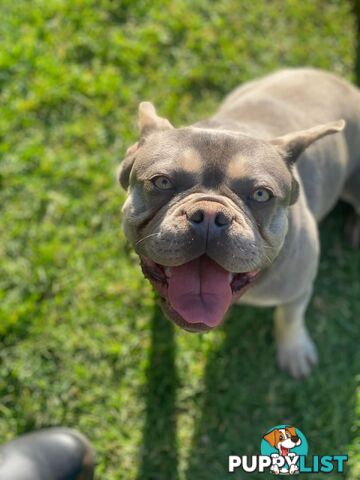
{"x": 162, "y": 183}
{"x": 261, "y": 195}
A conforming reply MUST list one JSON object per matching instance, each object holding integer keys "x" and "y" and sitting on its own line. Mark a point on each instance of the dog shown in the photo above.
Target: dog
{"x": 283, "y": 439}
{"x": 226, "y": 209}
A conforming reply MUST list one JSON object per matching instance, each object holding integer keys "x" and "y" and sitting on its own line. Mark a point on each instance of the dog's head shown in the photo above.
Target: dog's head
{"x": 207, "y": 211}
{"x": 283, "y": 439}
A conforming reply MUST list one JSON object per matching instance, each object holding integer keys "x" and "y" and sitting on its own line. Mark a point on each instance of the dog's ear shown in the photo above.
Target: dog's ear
{"x": 149, "y": 120}
{"x": 293, "y": 144}
{"x": 291, "y": 430}
{"x": 295, "y": 190}
{"x": 127, "y": 164}
{"x": 272, "y": 437}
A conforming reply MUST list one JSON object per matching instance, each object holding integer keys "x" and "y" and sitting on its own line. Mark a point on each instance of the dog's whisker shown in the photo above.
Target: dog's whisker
{"x": 146, "y": 237}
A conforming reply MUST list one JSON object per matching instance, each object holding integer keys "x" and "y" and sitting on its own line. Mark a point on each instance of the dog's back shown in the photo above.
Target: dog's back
{"x": 296, "y": 99}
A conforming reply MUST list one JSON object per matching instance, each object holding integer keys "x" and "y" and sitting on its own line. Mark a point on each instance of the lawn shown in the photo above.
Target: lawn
{"x": 83, "y": 343}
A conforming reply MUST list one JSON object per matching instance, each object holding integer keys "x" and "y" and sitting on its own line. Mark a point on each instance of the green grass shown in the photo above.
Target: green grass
{"x": 82, "y": 341}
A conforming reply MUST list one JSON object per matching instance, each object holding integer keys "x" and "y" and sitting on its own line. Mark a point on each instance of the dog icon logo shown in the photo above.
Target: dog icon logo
{"x": 284, "y": 444}
{"x": 284, "y": 451}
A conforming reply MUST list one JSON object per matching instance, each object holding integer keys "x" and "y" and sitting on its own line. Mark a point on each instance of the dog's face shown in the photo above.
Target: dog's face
{"x": 283, "y": 439}
{"x": 206, "y": 212}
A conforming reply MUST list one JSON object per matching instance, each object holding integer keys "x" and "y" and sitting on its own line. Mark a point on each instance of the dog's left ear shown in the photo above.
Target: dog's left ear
{"x": 271, "y": 437}
{"x": 149, "y": 120}
{"x": 293, "y": 144}
{"x": 126, "y": 165}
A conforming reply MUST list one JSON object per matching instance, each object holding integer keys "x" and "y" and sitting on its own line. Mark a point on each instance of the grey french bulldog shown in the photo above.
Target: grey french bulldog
{"x": 226, "y": 209}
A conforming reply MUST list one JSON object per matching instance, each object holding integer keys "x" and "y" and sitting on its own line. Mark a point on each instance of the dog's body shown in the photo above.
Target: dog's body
{"x": 220, "y": 210}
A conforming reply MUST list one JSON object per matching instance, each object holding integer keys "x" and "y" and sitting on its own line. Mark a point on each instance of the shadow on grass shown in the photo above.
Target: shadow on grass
{"x": 159, "y": 449}
{"x": 356, "y": 9}
{"x": 245, "y": 394}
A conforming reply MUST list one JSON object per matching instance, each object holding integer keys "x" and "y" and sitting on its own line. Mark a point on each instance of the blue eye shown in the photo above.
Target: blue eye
{"x": 162, "y": 182}
{"x": 261, "y": 195}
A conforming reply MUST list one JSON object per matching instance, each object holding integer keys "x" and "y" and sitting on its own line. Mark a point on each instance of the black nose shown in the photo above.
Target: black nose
{"x": 222, "y": 220}
{"x": 196, "y": 217}
{"x": 209, "y": 217}
{"x": 295, "y": 438}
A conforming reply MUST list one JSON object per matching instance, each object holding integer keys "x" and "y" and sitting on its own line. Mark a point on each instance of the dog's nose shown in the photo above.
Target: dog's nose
{"x": 209, "y": 218}
{"x": 295, "y": 438}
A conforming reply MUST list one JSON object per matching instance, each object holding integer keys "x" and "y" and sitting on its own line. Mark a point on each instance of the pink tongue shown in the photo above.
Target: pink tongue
{"x": 284, "y": 451}
{"x": 200, "y": 291}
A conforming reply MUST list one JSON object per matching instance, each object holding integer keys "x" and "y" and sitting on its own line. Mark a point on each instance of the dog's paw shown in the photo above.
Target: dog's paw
{"x": 297, "y": 354}
{"x": 275, "y": 469}
{"x": 293, "y": 469}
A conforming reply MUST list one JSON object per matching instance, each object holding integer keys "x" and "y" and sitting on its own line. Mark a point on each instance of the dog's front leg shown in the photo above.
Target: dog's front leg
{"x": 295, "y": 350}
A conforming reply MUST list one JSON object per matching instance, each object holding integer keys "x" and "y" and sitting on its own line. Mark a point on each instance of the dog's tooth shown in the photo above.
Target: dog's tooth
{"x": 167, "y": 271}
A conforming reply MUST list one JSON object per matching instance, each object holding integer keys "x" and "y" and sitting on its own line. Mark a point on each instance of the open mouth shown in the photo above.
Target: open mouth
{"x": 284, "y": 451}
{"x": 197, "y": 294}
